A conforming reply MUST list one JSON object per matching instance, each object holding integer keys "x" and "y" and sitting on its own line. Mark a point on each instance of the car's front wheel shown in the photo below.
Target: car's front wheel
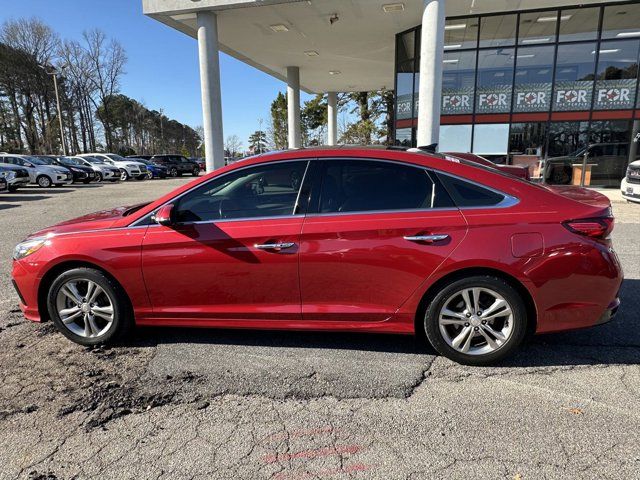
{"x": 196, "y": 171}
{"x": 88, "y": 307}
{"x": 173, "y": 172}
{"x": 476, "y": 320}
{"x": 124, "y": 175}
{"x": 44, "y": 181}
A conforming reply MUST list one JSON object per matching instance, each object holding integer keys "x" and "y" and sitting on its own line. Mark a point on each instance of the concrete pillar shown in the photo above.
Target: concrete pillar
{"x": 332, "y": 116}
{"x": 293, "y": 106}
{"x": 210, "y": 87}
{"x": 431, "y": 56}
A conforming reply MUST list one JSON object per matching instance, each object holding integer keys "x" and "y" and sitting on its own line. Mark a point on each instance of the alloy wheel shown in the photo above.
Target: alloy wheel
{"x": 124, "y": 176}
{"x": 173, "y": 172}
{"x": 476, "y": 321}
{"x": 44, "y": 181}
{"x": 85, "y": 308}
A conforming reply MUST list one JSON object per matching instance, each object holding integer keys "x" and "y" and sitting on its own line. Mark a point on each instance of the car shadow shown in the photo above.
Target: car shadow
{"x": 36, "y": 190}
{"x": 617, "y": 342}
{"x": 6, "y": 207}
{"x": 15, "y": 197}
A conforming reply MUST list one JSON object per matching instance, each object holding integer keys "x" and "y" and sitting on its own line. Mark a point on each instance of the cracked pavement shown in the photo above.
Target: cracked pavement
{"x": 220, "y": 404}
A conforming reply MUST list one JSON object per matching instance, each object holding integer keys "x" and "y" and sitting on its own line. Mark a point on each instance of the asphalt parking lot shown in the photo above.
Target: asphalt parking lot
{"x": 214, "y": 404}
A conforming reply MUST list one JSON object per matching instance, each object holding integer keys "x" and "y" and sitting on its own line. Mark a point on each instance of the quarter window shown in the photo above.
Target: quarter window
{"x": 466, "y": 194}
{"x": 367, "y": 185}
{"x": 260, "y": 191}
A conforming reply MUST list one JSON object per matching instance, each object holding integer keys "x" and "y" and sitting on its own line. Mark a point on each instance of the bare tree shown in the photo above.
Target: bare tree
{"x": 233, "y": 145}
{"x": 107, "y": 59}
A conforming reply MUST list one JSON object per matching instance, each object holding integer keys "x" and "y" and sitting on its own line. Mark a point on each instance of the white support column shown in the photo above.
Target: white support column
{"x": 210, "y": 87}
{"x": 293, "y": 106}
{"x": 332, "y": 118}
{"x": 431, "y": 56}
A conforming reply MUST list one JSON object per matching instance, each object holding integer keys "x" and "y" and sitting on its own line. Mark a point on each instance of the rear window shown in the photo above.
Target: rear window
{"x": 466, "y": 194}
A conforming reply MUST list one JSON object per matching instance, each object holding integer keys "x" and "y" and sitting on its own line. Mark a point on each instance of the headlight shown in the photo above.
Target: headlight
{"x": 28, "y": 247}
{"x": 8, "y": 175}
{"x": 131, "y": 166}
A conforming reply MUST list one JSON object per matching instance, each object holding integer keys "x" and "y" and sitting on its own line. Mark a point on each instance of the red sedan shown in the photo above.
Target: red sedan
{"x": 335, "y": 239}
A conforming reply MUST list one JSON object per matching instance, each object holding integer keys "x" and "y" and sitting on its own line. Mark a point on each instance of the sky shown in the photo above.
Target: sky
{"x": 162, "y": 68}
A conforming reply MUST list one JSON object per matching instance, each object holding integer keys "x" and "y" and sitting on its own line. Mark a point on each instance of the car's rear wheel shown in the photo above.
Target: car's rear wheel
{"x": 173, "y": 172}
{"x": 196, "y": 171}
{"x": 477, "y": 320}
{"x": 43, "y": 181}
{"x": 88, "y": 307}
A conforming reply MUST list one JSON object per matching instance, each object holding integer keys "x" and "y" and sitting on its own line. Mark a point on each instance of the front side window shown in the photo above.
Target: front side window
{"x": 260, "y": 191}
{"x": 371, "y": 186}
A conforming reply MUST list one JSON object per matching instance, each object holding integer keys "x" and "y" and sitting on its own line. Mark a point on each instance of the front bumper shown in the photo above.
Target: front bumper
{"x": 25, "y": 282}
{"x": 63, "y": 178}
{"x": 630, "y": 191}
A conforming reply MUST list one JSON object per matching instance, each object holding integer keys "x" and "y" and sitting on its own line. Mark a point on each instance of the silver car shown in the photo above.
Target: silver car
{"x": 40, "y": 173}
{"x": 103, "y": 170}
{"x": 15, "y": 176}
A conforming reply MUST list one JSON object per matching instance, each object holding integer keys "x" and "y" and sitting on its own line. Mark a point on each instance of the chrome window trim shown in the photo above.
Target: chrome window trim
{"x": 235, "y": 170}
{"x": 508, "y": 200}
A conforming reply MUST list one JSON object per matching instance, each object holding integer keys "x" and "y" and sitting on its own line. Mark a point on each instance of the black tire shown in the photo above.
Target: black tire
{"x": 122, "y": 318}
{"x": 86, "y": 182}
{"x": 98, "y": 177}
{"x": 44, "y": 182}
{"x": 13, "y": 188}
{"x": 196, "y": 171}
{"x": 141, "y": 177}
{"x": 498, "y": 285}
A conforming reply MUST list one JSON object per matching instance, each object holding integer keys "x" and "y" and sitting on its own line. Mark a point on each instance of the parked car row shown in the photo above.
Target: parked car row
{"x": 54, "y": 170}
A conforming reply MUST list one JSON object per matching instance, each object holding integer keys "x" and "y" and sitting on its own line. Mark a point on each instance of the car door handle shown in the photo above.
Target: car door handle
{"x": 274, "y": 246}
{"x": 427, "y": 238}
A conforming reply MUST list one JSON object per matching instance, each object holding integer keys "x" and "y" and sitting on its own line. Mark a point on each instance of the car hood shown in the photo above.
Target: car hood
{"x": 92, "y": 221}
{"x": 635, "y": 164}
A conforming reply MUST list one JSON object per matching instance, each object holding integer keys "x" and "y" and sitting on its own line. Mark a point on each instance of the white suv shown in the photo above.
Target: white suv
{"x": 630, "y": 187}
{"x": 40, "y": 173}
{"x": 128, "y": 168}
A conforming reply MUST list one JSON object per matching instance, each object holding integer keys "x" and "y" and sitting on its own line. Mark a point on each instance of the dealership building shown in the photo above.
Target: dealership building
{"x": 522, "y": 81}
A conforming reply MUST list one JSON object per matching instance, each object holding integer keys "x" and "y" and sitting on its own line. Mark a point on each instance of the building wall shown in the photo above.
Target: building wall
{"x": 533, "y": 85}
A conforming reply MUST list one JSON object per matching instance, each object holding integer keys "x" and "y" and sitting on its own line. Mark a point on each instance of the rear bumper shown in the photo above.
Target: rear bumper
{"x": 610, "y": 313}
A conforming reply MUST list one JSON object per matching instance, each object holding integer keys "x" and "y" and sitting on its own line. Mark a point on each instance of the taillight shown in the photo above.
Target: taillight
{"x": 598, "y": 228}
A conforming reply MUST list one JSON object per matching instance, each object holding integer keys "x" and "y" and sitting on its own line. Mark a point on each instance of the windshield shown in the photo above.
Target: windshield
{"x": 115, "y": 157}
{"x": 94, "y": 160}
{"x": 36, "y": 161}
{"x": 46, "y": 160}
{"x": 70, "y": 161}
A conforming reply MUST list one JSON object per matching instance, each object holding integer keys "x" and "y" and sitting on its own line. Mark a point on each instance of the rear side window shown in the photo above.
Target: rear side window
{"x": 467, "y": 194}
{"x": 368, "y": 185}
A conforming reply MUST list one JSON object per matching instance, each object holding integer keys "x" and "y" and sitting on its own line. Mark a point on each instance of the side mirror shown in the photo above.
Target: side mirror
{"x": 163, "y": 215}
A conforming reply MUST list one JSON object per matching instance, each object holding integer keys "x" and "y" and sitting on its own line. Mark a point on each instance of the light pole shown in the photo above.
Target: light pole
{"x": 54, "y": 73}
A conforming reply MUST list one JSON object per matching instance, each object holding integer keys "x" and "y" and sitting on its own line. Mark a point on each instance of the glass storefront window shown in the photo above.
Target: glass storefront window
{"x": 575, "y": 66}
{"x": 405, "y": 52}
{"x": 616, "y": 75}
{"x": 491, "y": 139}
{"x": 495, "y": 78}
{"x": 458, "y": 78}
{"x": 538, "y": 27}
{"x": 498, "y": 30}
{"x": 527, "y": 139}
{"x": 608, "y": 151}
{"x": 567, "y": 143}
{"x": 621, "y": 21}
{"x": 403, "y": 137}
{"x": 579, "y": 24}
{"x": 455, "y": 138}
{"x": 533, "y": 79}
{"x": 461, "y": 33}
